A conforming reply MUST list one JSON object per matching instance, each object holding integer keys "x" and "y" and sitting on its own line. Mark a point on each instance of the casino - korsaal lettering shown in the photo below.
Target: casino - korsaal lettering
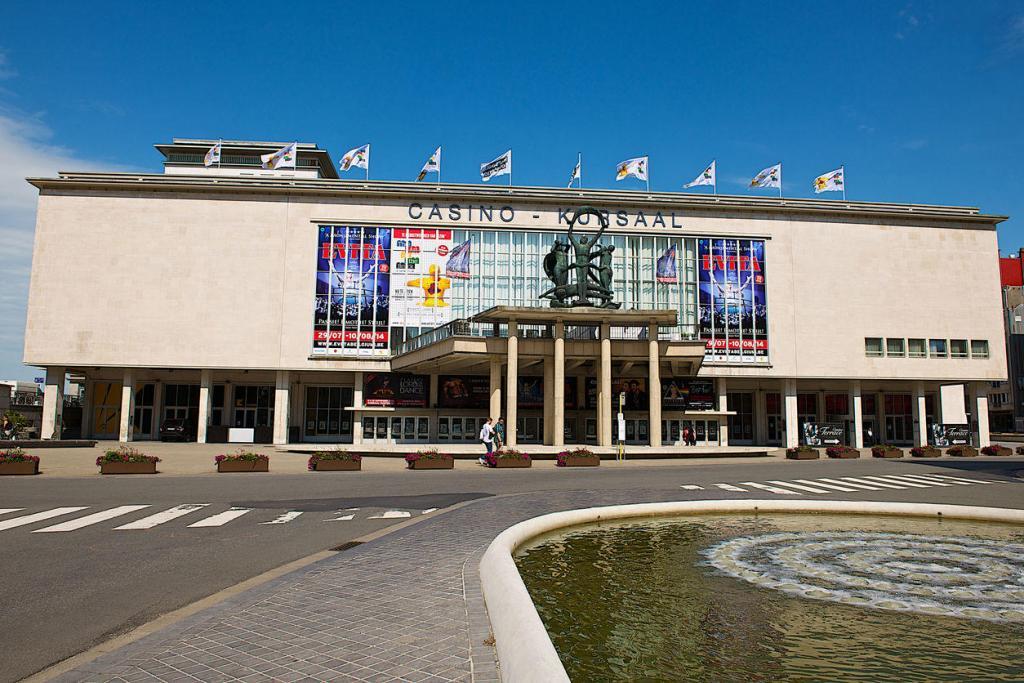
{"x": 488, "y": 213}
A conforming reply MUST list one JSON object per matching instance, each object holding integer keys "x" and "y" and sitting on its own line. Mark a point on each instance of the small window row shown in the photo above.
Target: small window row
{"x": 898, "y": 347}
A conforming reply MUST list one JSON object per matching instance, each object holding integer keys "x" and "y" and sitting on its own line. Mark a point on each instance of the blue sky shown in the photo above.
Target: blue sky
{"x": 922, "y": 102}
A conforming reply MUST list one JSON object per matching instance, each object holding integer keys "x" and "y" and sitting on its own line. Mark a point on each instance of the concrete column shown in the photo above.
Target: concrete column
{"x": 760, "y": 417}
{"x": 87, "y": 409}
{"x": 53, "y": 403}
{"x": 920, "y": 411}
{"x": 158, "y": 407}
{"x": 549, "y": 398}
{"x": 558, "y": 412}
{"x": 512, "y": 384}
{"x": 979, "y": 401}
{"x": 205, "y": 396}
{"x": 654, "y": 382}
{"x": 790, "y": 413}
{"x": 495, "y": 386}
{"x": 357, "y": 403}
{"x": 722, "y": 391}
{"x": 432, "y": 391}
{"x": 282, "y": 390}
{"x": 127, "y": 407}
{"x": 604, "y": 389}
{"x": 858, "y": 417}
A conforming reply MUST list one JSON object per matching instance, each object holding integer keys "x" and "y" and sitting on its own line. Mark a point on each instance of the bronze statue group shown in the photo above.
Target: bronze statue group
{"x": 593, "y": 285}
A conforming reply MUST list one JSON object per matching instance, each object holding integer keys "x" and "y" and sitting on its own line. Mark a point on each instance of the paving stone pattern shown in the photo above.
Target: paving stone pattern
{"x": 406, "y": 607}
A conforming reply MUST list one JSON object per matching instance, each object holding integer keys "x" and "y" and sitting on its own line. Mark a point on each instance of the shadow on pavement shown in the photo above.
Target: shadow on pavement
{"x": 1012, "y": 469}
{"x": 419, "y": 502}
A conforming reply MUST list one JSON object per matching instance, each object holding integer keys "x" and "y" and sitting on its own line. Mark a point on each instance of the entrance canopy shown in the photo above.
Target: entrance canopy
{"x": 470, "y": 345}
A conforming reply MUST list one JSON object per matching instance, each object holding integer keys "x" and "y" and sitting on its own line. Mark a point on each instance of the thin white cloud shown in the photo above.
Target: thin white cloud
{"x": 915, "y": 144}
{"x": 6, "y": 70}
{"x": 25, "y": 140}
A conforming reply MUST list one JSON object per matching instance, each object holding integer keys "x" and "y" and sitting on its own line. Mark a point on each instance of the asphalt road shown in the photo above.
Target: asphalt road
{"x": 65, "y": 591}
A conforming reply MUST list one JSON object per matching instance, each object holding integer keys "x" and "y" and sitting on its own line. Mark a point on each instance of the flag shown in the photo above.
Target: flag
{"x": 433, "y": 165}
{"x": 632, "y": 167}
{"x": 500, "y": 166}
{"x": 833, "y": 181}
{"x": 458, "y": 262}
{"x": 575, "y": 173}
{"x": 666, "y": 270}
{"x": 707, "y": 177}
{"x": 356, "y": 158}
{"x": 282, "y": 158}
{"x": 769, "y": 177}
{"x": 213, "y": 156}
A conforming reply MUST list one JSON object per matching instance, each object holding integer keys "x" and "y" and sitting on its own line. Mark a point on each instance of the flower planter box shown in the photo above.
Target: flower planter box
{"x": 925, "y": 452}
{"x": 145, "y": 467}
{"x": 582, "y": 461}
{"x": 261, "y": 465}
{"x": 1001, "y": 451}
{"x": 887, "y": 453}
{"x": 512, "y": 462}
{"x": 842, "y": 452}
{"x": 809, "y": 454}
{"x": 337, "y": 465}
{"x": 432, "y": 464}
{"x": 962, "y": 452}
{"x": 19, "y": 467}
{"x": 1020, "y": 450}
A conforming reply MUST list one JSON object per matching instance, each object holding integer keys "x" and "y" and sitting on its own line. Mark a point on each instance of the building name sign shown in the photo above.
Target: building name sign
{"x": 489, "y": 213}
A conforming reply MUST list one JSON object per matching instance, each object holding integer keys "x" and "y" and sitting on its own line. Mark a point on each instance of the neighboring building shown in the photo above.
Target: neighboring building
{"x": 281, "y": 307}
{"x": 1008, "y": 404}
{"x": 23, "y": 393}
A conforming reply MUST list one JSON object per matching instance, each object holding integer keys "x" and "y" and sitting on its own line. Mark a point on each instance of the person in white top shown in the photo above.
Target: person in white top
{"x": 487, "y": 437}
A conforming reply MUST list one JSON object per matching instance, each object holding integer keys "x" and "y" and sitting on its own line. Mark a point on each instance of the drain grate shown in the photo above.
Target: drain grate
{"x": 346, "y": 546}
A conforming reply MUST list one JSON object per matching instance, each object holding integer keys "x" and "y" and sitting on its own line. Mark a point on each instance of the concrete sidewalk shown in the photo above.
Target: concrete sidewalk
{"x": 179, "y": 459}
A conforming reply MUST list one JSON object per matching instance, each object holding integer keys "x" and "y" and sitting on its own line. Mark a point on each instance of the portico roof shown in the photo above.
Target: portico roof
{"x": 578, "y": 315}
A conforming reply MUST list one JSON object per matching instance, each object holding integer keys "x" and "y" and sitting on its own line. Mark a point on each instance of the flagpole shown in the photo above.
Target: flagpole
{"x": 843, "y": 168}
{"x": 579, "y": 162}
{"x": 439, "y": 168}
{"x": 648, "y": 177}
{"x": 780, "y": 181}
{"x": 220, "y": 151}
{"x": 714, "y": 185}
{"x": 367, "y": 161}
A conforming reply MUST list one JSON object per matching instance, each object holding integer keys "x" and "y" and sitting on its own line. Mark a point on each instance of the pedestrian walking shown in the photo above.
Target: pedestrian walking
{"x": 499, "y": 434}
{"x": 487, "y": 439}
{"x": 686, "y": 436}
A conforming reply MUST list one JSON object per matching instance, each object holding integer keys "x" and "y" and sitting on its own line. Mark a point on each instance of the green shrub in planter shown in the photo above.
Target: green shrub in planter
{"x": 802, "y": 453}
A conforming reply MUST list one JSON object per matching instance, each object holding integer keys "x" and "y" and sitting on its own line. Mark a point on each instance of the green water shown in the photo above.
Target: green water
{"x": 640, "y": 602}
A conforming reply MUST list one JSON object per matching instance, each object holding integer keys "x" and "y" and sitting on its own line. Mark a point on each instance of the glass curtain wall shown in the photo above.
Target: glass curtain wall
{"x": 506, "y": 269}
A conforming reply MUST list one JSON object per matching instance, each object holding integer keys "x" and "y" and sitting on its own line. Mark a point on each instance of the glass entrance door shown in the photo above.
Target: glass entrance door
{"x": 327, "y": 414}
{"x": 741, "y": 425}
{"x": 144, "y": 427}
{"x": 776, "y": 424}
{"x": 899, "y": 419}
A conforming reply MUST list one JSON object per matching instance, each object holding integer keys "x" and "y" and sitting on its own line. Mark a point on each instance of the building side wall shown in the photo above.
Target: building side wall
{"x": 192, "y": 280}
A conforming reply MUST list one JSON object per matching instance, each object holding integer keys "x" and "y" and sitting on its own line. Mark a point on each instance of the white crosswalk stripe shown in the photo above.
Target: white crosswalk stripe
{"x": 866, "y": 487}
{"x": 4, "y": 511}
{"x": 692, "y": 487}
{"x": 729, "y": 487}
{"x": 897, "y": 480}
{"x": 972, "y": 481}
{"x": 343, "y": 518}
{"x": 391, "y": 514}
{"x": 773, "y": 489}
{"x": 220, "y": 519}
{"x": 89, "y": 520}
{"x": 38, "y": 517}
{"x": 923, "y": 480}
{"x": 162, "y": 517}
{"x": 933, "y": 479}
{"x": 834, "y": 487}
{"x": 870, "y": 482}
{"x": 799, "y": 487}
{"x": 285, "y": 518}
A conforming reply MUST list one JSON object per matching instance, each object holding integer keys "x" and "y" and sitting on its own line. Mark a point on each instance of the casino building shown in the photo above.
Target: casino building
{"x": 292, "y": 307}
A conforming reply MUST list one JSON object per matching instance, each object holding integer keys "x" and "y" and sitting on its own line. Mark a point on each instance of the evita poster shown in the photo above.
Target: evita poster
{"x": 353, "y": 291}
{"x": 733, "y": 300}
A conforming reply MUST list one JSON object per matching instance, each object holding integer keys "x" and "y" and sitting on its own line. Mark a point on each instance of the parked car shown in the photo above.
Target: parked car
{"x": 177, "y": 429}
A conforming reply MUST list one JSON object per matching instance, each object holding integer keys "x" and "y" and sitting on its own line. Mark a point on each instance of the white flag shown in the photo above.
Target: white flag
{"x": 213, "y": 156}
{"x": 282, "y": 158}
{"x": 500, "y": 166}
{"x": 833, "y": 181}
{"x": 356, "y": 158}
{"x": 632, "y": 167}
{"x": 769, "y": 177}
{"x": 707, "y": 177}
{"x": 433, "y": 165}
{"x": 575, "y": 173}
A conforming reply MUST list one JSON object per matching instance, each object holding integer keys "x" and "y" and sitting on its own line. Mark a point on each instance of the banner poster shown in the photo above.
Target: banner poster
{"x": 458, "y": 262}
{"x": 945, "y": 435}
{"x": 531, "y": 392}
{"x": 395, "y": 390}
{"x": 732, "y": 309}
{"x": 463, "y": 391}
{"x": 634, "y": 388}
{"x": 352, "y": 301}
{"x": 824, "y": 433}
{"x": 418, "y": 280}
{"x": 687, "y": 394}
{"x": 667, "y": 270}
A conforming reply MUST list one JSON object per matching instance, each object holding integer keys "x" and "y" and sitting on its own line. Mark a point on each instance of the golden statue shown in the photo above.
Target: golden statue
{"x": 434, "y": 287}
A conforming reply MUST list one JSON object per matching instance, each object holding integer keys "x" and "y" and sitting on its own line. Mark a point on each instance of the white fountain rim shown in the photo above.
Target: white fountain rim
{"x": 525, "y": 651}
